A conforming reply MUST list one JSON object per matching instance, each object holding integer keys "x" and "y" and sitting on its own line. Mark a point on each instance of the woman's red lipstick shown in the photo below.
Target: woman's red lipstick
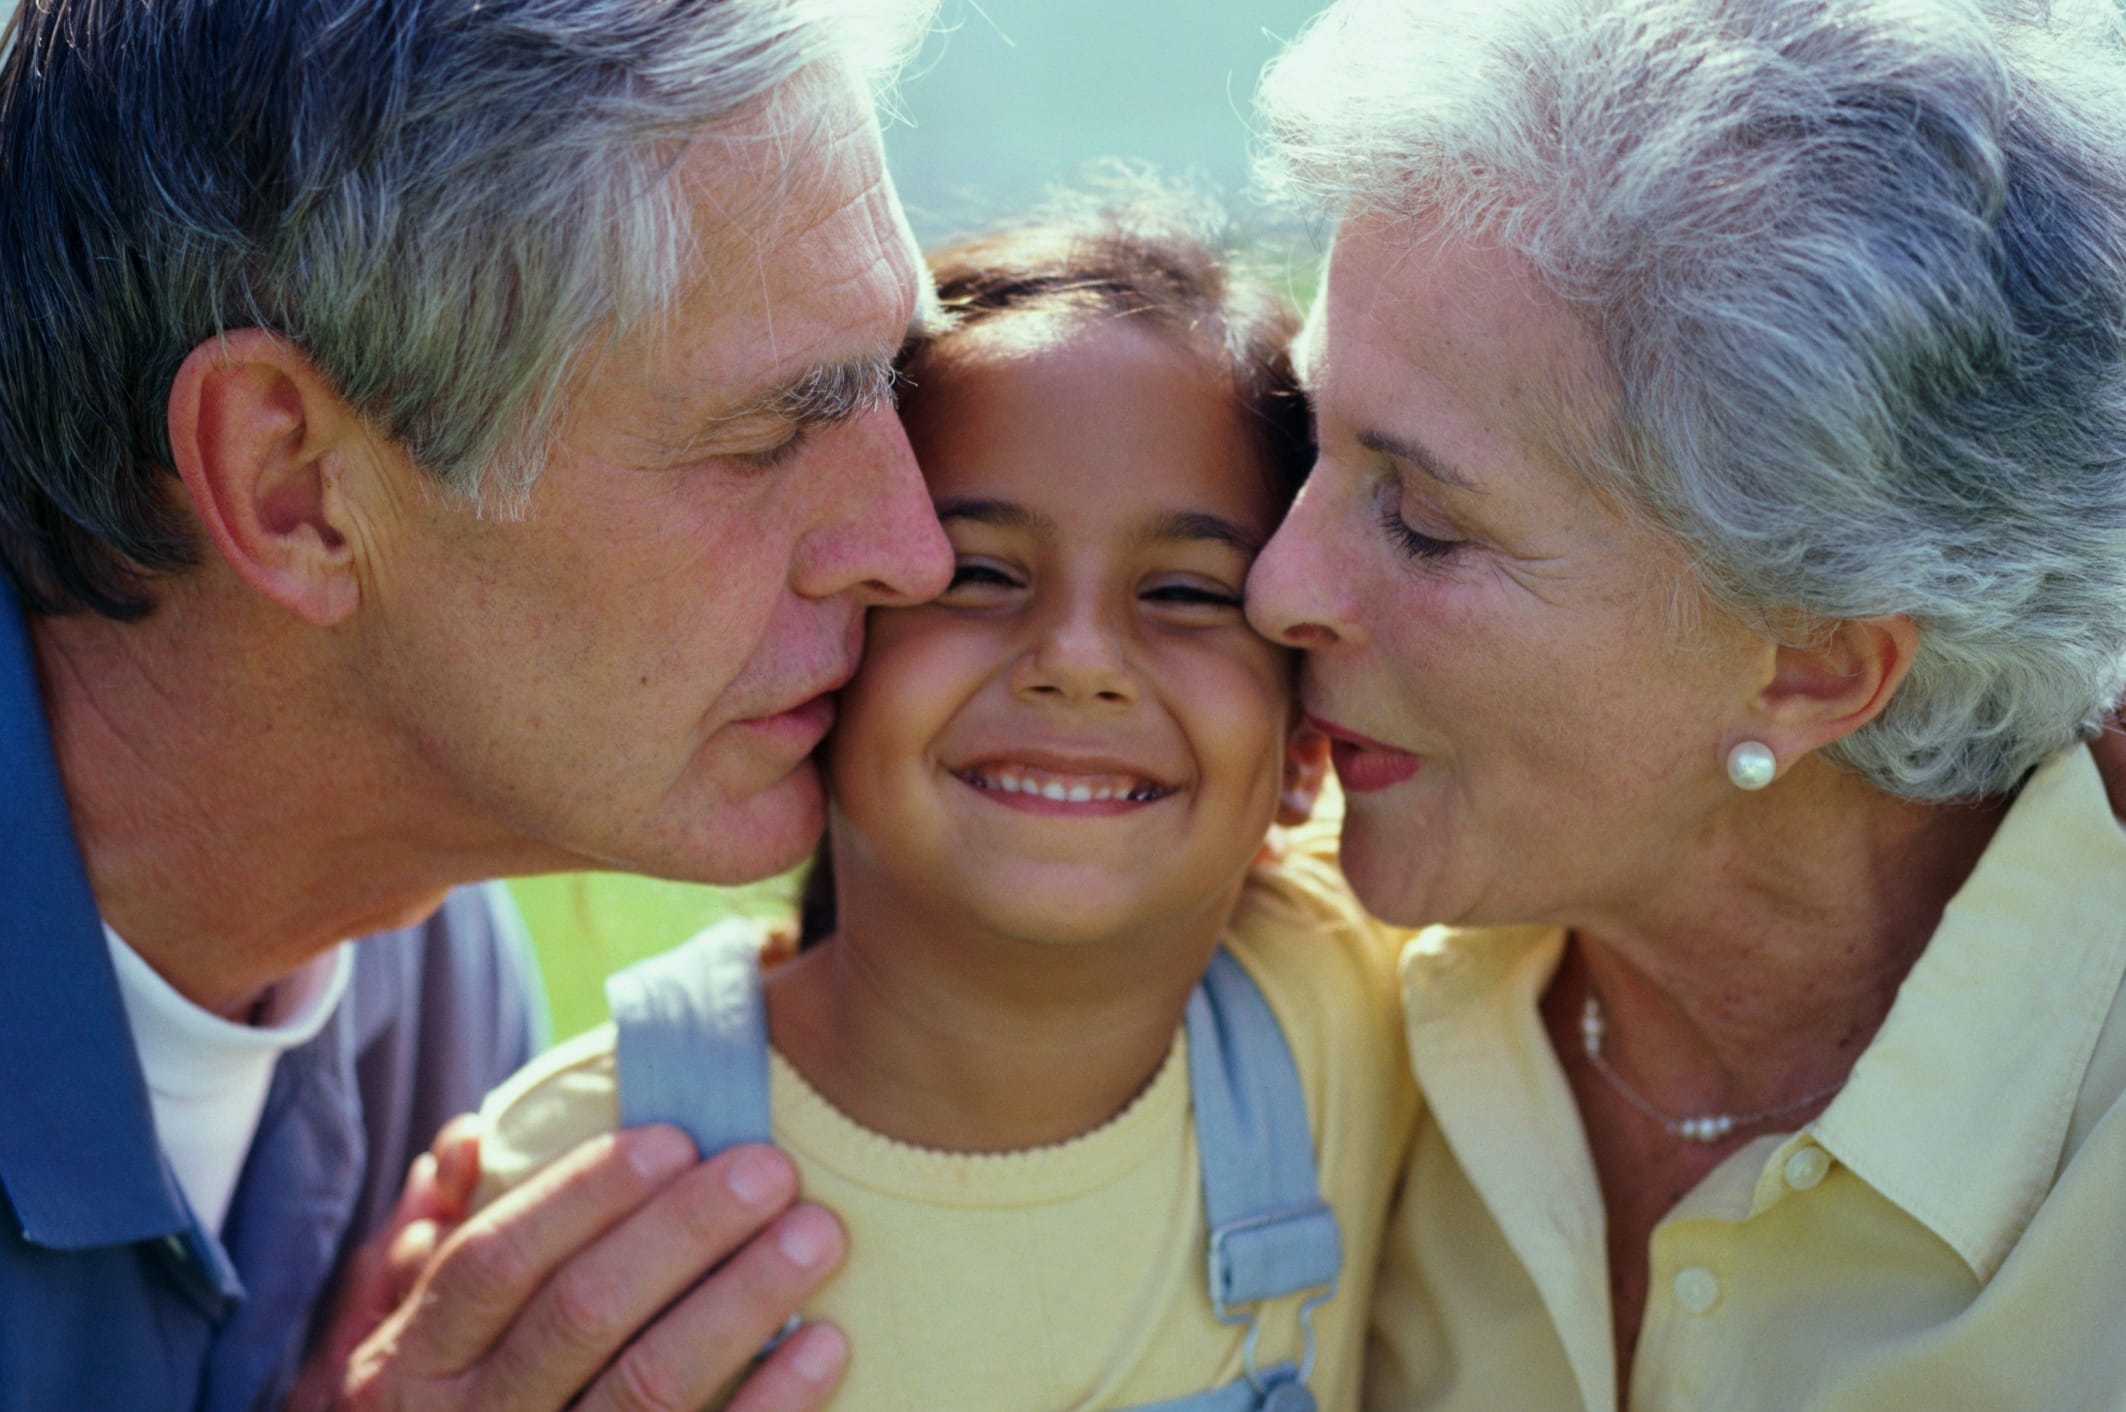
{"x": 1363, "y": 764}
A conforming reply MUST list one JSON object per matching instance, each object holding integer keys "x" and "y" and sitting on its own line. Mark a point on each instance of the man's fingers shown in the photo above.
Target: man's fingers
{"x": 799, "y": 1377}
{"x": 456, "y": 1151}
{"x": 407, "y": 1258}
{"x": 490, "y": 1268}
{"x": 591, "y": 1307}
{"x": 378, "y": 1277}
{"x": 709, "y": 1336}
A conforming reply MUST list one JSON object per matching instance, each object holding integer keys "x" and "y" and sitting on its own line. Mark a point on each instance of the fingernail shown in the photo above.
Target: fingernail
{"x": 819, "y": 1354}
{"x": 659, "y": 1152}
{"x": 805, "y": 1237}
{"x": 756, "y": 1178}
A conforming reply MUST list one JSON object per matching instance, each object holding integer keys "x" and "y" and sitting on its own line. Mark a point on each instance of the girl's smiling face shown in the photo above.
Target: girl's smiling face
{"x": 1082, "y": 736}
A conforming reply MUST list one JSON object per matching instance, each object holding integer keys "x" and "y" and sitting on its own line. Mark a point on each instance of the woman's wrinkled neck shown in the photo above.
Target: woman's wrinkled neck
{"x": 1768, "y": 955}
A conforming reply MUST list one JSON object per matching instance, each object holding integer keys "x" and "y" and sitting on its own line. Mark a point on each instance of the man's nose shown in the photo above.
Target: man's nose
{"x": 881, "y": 541}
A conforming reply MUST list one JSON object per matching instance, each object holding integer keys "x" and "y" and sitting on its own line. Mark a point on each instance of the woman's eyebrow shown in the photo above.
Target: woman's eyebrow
{"x": 1420, "y": 457}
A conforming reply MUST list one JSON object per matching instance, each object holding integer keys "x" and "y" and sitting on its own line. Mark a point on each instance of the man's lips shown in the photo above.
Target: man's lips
{"x": 806, "y": 722}
{"x": 802, "y": 726}
{"x": 1364, "y": 764}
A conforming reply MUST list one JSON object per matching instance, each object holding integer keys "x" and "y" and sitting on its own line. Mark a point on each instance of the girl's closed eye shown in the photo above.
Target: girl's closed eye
{"x": 1192, "y": 594}
{"x": 980, "y": 579}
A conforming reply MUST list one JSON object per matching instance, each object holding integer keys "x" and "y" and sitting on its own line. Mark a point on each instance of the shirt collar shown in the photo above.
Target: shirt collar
{"x": 1470, "y": 1001}
{"x": 78, "y": 1153}
{"x": 1959, "y": 1109}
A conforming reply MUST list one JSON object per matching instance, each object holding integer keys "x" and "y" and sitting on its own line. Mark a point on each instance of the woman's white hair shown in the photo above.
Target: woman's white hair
{"x": 1859, "y": 271}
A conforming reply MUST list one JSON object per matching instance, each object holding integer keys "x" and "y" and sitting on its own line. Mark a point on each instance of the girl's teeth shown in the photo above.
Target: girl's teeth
{"x": 1067, "y": 793}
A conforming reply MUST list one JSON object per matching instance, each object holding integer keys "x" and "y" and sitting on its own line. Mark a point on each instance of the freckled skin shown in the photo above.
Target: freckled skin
{"x": 1534, "y": 668}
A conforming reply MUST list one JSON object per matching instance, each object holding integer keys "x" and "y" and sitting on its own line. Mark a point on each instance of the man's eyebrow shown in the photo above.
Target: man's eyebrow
{"x": 1420, "y": 457}
{"x": 1004, "y": 514}
{"x": 827, "y": 393}
{"x": 1192, "y": 525}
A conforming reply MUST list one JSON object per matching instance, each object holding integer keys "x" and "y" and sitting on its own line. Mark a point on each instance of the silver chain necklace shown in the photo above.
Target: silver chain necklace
{"x": 1705, "y": 1127}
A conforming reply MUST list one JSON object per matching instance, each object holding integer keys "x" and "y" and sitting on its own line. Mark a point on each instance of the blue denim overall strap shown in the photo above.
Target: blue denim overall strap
{"x": 692, "y": 1039}
{"x": 1271, "y": 1234}
{"x": 690, "y": 1045}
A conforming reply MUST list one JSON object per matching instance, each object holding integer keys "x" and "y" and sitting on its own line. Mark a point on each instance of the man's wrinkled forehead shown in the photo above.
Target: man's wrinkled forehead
{"x": 816, "y": 131}
{"x": 805, "y": 276}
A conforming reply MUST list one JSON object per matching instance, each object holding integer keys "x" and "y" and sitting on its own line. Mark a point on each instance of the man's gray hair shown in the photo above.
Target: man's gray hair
{"x": 441, "y": 202}
{"x": 1858, "y": 268}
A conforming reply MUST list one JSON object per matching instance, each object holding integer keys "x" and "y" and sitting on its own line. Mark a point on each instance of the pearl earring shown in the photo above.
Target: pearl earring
{"x": 1751, "y": 765}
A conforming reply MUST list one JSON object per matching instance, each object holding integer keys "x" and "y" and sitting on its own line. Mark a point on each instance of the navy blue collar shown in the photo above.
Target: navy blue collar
{"x": 78, "y": 1153}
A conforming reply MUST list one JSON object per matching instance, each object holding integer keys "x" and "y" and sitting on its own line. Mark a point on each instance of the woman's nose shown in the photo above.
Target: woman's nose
{"x": 1297, "y": 591}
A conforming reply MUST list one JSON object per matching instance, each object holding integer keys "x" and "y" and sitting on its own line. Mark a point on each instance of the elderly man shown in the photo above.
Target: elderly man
{"x": 441, "y": 440}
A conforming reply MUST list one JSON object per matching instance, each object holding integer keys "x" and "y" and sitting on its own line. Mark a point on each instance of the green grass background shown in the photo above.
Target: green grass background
{"x": 585, "y": 926}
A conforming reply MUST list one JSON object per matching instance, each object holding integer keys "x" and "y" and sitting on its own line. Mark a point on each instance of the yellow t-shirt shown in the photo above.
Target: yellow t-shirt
{"x": 1070, "y": 1276}
{"x": 1949, "y": 1234}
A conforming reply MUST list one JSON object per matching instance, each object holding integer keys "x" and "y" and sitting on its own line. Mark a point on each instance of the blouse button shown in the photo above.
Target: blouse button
{"x": 1697, "y": 1289}
{"x": 1806, "y": 1167}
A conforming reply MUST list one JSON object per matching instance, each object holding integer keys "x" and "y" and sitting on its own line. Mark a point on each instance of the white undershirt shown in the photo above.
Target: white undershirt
{"x": 207, "y": 1076}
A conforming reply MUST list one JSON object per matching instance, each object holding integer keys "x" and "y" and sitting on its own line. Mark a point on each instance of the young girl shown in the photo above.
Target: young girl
{"x": 1081, "y": 1162}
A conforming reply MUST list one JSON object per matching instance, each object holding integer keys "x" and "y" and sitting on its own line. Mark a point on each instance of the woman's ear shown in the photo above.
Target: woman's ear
{"x": 2110, "y": 749}
{"x": 258, "y": 434}
{"x": 1821, "y": 692}
{"x": 1306, "y": 768}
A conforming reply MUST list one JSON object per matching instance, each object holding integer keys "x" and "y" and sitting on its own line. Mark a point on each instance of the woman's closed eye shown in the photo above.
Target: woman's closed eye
{"x": 1412, "y": 541}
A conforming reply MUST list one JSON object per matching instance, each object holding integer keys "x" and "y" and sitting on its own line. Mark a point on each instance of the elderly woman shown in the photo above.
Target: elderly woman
{"x": 1716, "y": 561}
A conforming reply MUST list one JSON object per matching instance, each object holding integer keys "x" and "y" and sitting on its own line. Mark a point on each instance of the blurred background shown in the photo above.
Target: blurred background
{"x": 1008, "y": 98}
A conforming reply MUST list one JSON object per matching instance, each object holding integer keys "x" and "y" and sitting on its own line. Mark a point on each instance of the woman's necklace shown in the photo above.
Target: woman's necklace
{"x": 1705, "y": 1127}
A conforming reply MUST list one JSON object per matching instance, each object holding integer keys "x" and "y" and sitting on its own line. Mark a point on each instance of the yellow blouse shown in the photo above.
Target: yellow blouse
{"x": 1949, "y": 1234}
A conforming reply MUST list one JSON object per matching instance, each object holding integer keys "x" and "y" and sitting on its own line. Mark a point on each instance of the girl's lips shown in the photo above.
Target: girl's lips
{"x": 1363, "y": 764}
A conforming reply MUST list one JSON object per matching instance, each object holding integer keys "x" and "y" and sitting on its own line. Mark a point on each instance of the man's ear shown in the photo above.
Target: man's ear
{"x": 258, "y": 436}
{"x": 1822, "y": 692}
{"x": 1306, "y": 768}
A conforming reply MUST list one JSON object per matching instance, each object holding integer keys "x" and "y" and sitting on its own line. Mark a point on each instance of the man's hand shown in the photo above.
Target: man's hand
{"x": 584, "y": 1287}
{"x": 2110, "y": 748}
{"x": 437, "y": 1194}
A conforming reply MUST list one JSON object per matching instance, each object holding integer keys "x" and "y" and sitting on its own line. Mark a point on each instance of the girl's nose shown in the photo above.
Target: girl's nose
{"x": 1079, "y": 659}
